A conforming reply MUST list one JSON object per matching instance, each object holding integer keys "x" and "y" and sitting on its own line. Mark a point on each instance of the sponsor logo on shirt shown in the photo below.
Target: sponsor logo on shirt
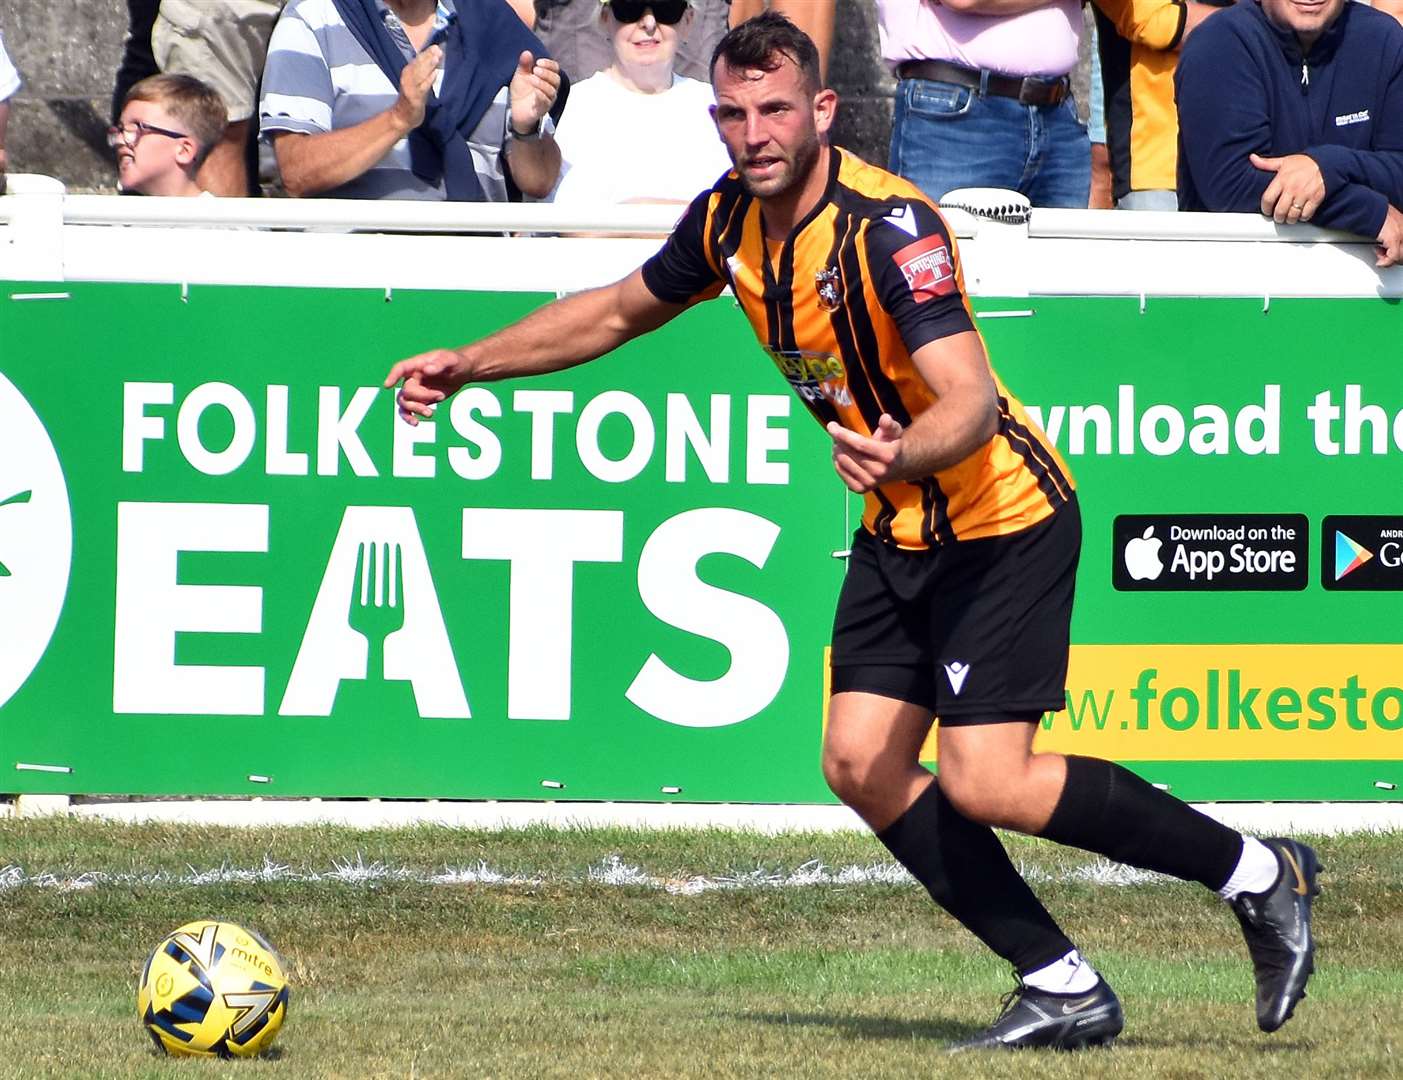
{"x": 927, "y": 267}
{"x": 814, "y": 376}
{"x": 1361, "y": 117}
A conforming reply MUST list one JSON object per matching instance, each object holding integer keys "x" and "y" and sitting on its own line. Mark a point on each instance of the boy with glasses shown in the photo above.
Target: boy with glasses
{"x": 167, "y": 127}
{"x": 223, "y": 43}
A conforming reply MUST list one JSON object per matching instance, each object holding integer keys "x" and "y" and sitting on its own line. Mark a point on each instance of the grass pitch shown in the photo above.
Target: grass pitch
{"x": 435, "y": 952}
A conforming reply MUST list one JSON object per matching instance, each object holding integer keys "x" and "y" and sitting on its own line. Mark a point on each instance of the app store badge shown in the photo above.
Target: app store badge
{"x": 1210, "y": 552}
{"x": 1361, "y": 553}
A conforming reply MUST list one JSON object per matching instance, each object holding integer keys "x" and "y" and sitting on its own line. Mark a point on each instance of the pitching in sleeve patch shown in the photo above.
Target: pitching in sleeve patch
{"x": 927, "y": 267}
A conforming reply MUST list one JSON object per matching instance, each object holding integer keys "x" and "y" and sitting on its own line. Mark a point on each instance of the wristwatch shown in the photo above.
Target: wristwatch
{"x": 530, "y": 136}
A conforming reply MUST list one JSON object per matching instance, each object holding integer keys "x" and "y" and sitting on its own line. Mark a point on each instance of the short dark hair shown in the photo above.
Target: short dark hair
{"x": 765, "y": 42}
{"x": 193, "y": 103}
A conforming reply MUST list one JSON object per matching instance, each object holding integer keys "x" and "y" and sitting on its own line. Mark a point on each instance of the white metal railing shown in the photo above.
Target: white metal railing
{"x": 400, "y": 215}
{"x": 1175, "y": 225}
{"x": 47, "y": 235}
{"x": 653, "y": 219}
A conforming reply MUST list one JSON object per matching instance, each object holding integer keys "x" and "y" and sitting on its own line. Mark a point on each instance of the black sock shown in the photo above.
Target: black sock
{"x": 967, "y": 872}
{"x": 1111, "y": 811}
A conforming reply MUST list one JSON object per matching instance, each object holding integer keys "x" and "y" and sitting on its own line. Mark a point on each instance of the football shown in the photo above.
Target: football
{"x": 212, "y": 989}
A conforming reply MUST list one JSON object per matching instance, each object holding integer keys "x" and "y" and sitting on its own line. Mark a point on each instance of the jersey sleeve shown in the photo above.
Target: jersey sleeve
{"x": 681, "y": 272}
{"x": 911, "y": 258}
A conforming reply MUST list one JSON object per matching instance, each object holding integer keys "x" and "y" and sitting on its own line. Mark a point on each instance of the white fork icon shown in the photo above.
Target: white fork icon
{"x": 376, "y": 611}
{"x": 376, "y": 616}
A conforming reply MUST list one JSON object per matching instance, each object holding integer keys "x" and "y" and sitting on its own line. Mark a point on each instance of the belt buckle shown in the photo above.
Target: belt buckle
{"x": 1041, "y": 92}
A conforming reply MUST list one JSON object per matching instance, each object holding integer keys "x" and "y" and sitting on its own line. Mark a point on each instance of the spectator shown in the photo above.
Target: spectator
{"x": 1139, "y": 43}
{"x": 604, "y": 160}
{"x": 570, "y": 30}
{"x": 346, "y": 101}
{"x": 1296, "y": 112}
{"x": 9, "y": 86}
{"x": 167, "y": 128}
{"x": 984, "y": 98}
{"x": 222, "y": 43}
{"x": 138, "y": 61}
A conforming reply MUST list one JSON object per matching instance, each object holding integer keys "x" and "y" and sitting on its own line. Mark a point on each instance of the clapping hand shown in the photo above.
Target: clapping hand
{"x": 534, "y": 86}
{"x": 415, "y": 82}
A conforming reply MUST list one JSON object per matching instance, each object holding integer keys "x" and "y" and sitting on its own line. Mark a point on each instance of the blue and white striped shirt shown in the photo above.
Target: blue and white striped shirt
{"x": 318, "y": 79}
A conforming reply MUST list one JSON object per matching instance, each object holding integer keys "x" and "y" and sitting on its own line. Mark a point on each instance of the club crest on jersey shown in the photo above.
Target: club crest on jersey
{"x": 826, "y": 282}
{"x": 927, "y": 267}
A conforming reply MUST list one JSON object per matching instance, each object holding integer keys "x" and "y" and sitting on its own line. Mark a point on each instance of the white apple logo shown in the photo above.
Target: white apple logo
{"x": 1142, "y": 559}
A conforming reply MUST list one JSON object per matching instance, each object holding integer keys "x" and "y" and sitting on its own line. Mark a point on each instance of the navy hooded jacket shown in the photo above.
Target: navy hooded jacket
{"x": 1244, "y": 87}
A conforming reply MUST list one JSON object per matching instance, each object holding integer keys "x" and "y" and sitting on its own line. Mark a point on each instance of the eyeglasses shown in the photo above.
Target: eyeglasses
{"x": 130, "y": 134}
{"x": 666, "y": 12}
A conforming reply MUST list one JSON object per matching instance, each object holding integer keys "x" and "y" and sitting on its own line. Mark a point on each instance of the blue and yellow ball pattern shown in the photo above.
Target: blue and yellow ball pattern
{"x": 212, "y": 989}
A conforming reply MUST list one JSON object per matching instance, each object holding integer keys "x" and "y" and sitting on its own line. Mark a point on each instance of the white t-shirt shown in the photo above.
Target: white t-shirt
{"x": 617, "y": 145}
{"x": 9, "y": 77}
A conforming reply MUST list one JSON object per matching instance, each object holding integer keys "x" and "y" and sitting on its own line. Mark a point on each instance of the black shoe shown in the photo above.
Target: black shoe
{"x": 1035, "y": 1018}
{"x": 1276, "y": 924}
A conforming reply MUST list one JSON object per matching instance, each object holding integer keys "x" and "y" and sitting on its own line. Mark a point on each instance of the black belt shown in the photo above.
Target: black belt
{"x": 1033, "y": 90}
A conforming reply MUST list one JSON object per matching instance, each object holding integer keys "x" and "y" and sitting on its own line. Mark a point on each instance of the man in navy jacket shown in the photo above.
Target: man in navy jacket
{"x": 1295, "y": 108}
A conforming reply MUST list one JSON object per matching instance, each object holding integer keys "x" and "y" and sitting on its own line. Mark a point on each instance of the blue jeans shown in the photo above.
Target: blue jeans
{"x": 946, "y": 136}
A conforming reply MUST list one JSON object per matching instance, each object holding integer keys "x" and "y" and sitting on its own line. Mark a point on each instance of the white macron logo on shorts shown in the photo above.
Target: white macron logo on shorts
{"x": 956, "y": 672}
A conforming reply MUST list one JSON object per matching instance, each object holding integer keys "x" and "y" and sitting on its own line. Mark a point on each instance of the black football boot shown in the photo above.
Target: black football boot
{"x": 1276, "y": 924}
{"x": 1036, "y": 1018}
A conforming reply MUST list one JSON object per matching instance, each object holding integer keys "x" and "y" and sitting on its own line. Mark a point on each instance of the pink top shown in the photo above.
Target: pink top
{"x": 1039, "y": 42}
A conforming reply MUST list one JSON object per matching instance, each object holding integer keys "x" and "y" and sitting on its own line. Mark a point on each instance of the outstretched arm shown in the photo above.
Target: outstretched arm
{"x": 560, "y": 335}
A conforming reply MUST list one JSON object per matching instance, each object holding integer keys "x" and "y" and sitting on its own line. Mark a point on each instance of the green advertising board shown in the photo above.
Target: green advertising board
{"x": 226, "y": 569}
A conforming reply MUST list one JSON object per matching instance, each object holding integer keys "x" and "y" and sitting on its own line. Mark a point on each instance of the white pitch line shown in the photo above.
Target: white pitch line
{"x": 1260, "y": 819}
{"x": 611, "y": 872}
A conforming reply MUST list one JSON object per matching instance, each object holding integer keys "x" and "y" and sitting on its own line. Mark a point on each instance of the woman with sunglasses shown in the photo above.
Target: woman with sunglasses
{"x": 638, "y": 131}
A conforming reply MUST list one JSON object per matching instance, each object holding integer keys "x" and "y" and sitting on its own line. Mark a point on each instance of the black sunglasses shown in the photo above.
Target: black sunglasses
{"x": 666, "y": 12}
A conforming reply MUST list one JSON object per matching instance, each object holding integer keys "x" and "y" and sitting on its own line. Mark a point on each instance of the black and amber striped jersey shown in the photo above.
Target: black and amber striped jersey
{"x": 1139, "y": 45}
{"x": 866, "y": 279}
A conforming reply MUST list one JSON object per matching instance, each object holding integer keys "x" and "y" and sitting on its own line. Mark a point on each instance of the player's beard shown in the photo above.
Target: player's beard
{"x": 798, "y": 164}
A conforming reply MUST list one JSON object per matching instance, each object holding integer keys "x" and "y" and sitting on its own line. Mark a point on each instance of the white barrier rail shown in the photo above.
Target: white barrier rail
{"x": 464, "y": 218}
{"x": 48, "y": 235}
{"x": 368, "y": 216}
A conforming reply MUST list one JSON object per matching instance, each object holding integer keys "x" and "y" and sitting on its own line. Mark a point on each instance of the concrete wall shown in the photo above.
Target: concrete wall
{"x": 67, "y": 51}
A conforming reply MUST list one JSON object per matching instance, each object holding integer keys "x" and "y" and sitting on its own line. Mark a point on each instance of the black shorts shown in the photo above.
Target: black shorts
{"x": 976, "y": 631}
